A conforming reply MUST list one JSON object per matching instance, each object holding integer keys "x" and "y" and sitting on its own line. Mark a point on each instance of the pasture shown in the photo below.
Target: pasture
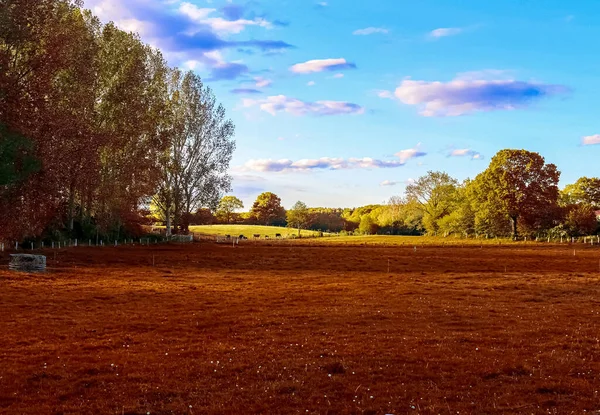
{"x": 250, "y": 230}
{"x": 299, "y": 329}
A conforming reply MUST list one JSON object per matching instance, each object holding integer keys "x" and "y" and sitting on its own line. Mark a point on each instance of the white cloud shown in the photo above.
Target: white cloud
{"x": 388, "y": 183}
{"x": 323, "y": 163}
{"x": 385, "y": 94}
{"x": 311, "y": 83}
{"x": 405, "y": 155}
{"x": 591, "y": 140}
{"x": 218, "y": 24}
{"x": 460, "y": 96}
{"x": 444, "y": 32}
{"x": 282, "y": 103}
{"x": 328, "y": 163}
{"x": 262, "y": 82}
{"x": 338, "y": 75}
{"x": 320, "y": 65}
{"x": 370, "y": 31}
{"x": 466, "y": 152}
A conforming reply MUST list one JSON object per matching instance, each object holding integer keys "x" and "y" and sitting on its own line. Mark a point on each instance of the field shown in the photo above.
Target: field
{"x": 299, "y": 329}
{"x": 249, "y": 230}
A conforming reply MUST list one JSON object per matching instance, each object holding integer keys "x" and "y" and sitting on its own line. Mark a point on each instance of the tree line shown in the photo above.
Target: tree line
{"x": 517, "y": 196}
{"x": 96, "y": 127}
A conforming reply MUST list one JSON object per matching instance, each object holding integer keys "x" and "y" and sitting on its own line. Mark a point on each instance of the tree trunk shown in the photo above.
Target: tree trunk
{"x": 299, "y": 236}
{"x": 168, "y": 220}
{"x": 515, "y": 230}
{"x": 71, "y": 208}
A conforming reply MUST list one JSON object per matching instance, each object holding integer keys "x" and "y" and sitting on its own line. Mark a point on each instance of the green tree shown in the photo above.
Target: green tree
{"x": 267, "y": 209}
{"x": 298, "y": 216}
{"x": 585, "y": 190}
{"x": 518, "y": 186}
{"x": 434, "y": 195}
{"x": 367, "y": 226}
{"x": 461, "y": 220}
{"x": 227, "y": 207}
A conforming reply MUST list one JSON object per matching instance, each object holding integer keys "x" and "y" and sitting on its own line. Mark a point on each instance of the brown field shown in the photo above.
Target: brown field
{"x": 283, "y": 329}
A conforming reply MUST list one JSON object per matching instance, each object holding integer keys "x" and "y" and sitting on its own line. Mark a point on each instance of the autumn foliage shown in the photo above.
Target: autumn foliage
{"x": 85, "y": 121}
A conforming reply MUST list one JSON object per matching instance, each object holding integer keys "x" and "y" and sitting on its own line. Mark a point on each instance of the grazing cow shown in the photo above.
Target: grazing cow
{"x": 228, "y": 236}
{"x": 256, "y": 236}
{"x": 242, "y": 237}
{"x": 278, "y": 236}
{"x": 266, "y": 236}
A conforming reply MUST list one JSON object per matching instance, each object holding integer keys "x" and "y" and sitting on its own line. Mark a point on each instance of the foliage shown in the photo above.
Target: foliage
{"x": 298, "y": 216}
{"x": 433, "y": 195}
{"x": 518, "y": 186}
{"x": 584, "y": 191}
{"x": 267, "y": 210}
{"x": 367, "y": 226}
{"x": 227, "y": 207}
{"x": 581, "y": 220}
{"x": 88, "y": 116}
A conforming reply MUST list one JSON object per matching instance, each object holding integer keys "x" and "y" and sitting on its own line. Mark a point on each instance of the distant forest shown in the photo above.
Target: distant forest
{"x": 517, "y": 195}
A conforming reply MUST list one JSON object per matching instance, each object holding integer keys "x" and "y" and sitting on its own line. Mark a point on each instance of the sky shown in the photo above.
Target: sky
{"x": 341, "y": 103}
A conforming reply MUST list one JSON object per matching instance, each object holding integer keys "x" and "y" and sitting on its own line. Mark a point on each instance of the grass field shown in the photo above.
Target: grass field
{"x": 249, "y": 230}
{"x": 296, "y": 329}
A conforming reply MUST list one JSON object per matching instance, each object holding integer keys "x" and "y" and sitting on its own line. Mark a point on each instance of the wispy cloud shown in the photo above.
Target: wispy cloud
{"x": 591, "y": 140}
{"x": 311, "y": 83}
{"x": 389, "y": 183}
{"x": 227, "y": 71}
{"x": 411, "y": 153}
{"x": 370, "y": 31}
{"x": 324, "y": 163}
{"x": 245, "y": 91}
{"x": 321, "y": 65}
{"x": 187, "y": 33}
{"x": 282, "y": 103}
{"x": 463, "y": 96}
{"x": 385, "y": 94}
{"x": 445, "y": 32}
{"x": 328, "y": 163}
{"x": 466, "y": 152}
{"x": 262, "y": 82}
{"x": 221, "y": 25}
{"x": 338, "y": 75}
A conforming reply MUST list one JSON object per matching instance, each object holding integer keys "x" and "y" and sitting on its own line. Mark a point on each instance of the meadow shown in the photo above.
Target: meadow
{"x": 250, "y": 230}
{"x": 282, "y": 328}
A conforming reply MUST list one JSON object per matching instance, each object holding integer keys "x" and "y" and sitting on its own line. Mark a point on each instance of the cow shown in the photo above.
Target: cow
{"x": 278, "y": 236}
{"x": 242, "y": 237}
{"x": 256, "y": 236}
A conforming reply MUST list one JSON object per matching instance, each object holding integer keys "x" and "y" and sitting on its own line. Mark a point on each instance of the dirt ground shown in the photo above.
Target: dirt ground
{"x": 212, "y": 329}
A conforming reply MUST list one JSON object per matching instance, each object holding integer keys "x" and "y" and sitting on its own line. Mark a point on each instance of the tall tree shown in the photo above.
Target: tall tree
{"x": 520, "y": 186}
{"x": 434, "y": 195}
{"x": 298, "y": 216}
{"x": 194, "y": 170}
{"x": 227, "y": 207}
{"x": 267, "y": 209}
{"x": 585, "y": 190}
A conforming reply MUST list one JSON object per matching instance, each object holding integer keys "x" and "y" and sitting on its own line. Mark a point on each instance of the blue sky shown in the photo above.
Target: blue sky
{"x": 340, "y": 103}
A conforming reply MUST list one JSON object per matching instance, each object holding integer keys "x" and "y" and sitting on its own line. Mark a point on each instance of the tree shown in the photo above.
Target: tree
{"x": 434, "y": 195}
{"x": 298, "y": 216}
{"x": 267, "y": 209}
{"x": 227, "y": 207}
{"x": 367, "y": 225}
{"x": 585, "y": 190}
{"x": 194, "y": 167}
{"x": 518, "y": 185}
{"x": 581, "y": 220}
